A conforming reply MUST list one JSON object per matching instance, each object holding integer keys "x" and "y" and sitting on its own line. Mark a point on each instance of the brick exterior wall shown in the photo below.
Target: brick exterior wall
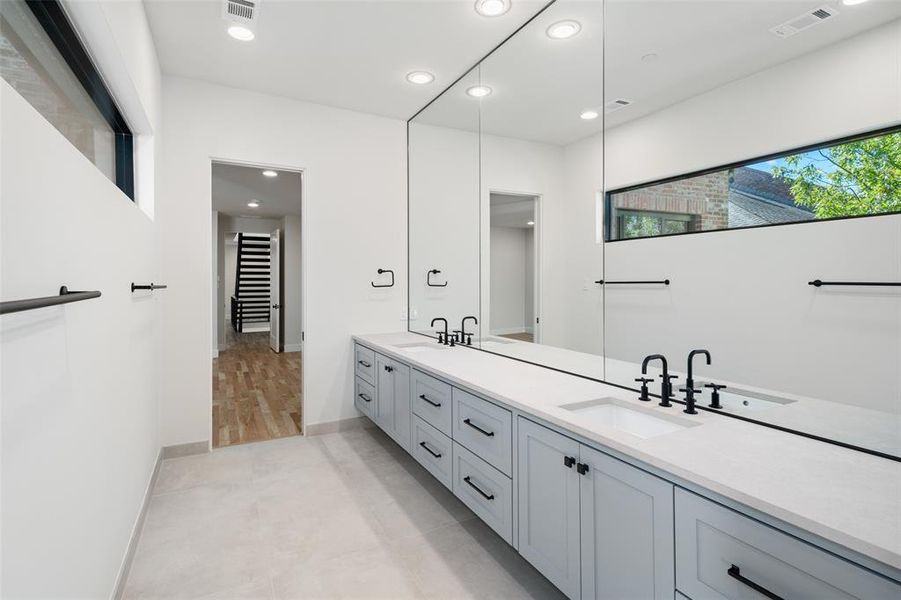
{"x": 705, "y": 198}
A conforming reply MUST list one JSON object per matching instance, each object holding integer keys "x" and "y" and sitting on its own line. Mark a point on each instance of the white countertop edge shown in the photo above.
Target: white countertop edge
{"x": 857, "y": 544}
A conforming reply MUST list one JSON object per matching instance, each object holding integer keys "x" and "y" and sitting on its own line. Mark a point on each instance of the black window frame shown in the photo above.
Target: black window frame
{"x": 53, "y": 19}
{"x": 608, "y": 196}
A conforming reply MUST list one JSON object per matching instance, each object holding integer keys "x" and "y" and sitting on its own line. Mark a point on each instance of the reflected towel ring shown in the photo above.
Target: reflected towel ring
{"x": 380, "y": 272}
{"x": 428, "y": 279}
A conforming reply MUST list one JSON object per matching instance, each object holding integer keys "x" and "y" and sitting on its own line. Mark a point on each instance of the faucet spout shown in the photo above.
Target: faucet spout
{"x": 441, "y": 340}
{"x": 666, "y": 390}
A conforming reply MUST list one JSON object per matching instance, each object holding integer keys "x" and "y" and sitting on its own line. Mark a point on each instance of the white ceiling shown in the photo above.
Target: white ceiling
{"x": 235, "y": 185}
{"x": 351, "y": 54}
{"x": 512, "y": 211}
{"x": 541, "y": 85}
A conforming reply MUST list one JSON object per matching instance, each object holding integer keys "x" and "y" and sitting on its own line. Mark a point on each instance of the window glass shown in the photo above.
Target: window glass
{"x": 849, "y": 179}
{"x": 31, "y": 63}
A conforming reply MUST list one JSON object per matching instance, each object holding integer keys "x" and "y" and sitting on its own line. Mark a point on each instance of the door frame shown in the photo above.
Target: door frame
{"x": 304, "y": 253}
{"x": 537, "y": 210}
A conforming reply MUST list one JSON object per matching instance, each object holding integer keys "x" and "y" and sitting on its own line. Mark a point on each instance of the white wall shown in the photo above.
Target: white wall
{"x": 293, "y": 284}
{"x": 78, "y": 383}
{"x": 744, "y": 294}
{"x": 354, "y": 181}
{"x": 508, "y": 280}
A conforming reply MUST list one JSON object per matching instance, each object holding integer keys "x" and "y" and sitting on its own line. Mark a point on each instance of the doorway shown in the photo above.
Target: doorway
{"x": 514, "y": 274}
{"x": 257, "y": 384}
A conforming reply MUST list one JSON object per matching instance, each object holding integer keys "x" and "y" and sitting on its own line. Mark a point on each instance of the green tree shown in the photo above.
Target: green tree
{"x": 857, "y": 178}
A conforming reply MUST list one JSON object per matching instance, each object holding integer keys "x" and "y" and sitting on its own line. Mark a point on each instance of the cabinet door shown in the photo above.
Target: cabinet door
{"x": 627, "y": 531}
{"x": 549, "y": 504}
{"x": 394, "y": 399}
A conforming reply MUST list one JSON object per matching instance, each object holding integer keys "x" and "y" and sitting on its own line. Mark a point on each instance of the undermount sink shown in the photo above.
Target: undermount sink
{"x": 622, "y": 415}
{"x": 420, "y": 346}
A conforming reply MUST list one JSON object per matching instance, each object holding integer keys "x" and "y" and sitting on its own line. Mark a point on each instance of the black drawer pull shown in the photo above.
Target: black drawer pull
{"x": 735, "y": 573}
{"x": 478, "y": 489}
{"x": 429, "y": 450}
{"x": 433, "y": 403}
{"x": 364, "y": 363}
{"x": 477, "y": 428}
{"x": 389, "y": 368}
{"x": 364, "y": 397}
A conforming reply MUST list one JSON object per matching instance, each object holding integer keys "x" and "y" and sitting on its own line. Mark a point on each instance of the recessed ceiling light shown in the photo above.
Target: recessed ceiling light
{"x": 492, "y": 8}
{"x": 530, "y": 223}
{"x": 270, "y": 173}
{"x": 562, "y": 30}
{"x": 253, "y": 204}
{"x": 240, "y": 33}
{"x": 479, "y": 91}
{"x": 589, "y": 114}
{"x": 420, "y": 77}
{"x": 852, "y": 2}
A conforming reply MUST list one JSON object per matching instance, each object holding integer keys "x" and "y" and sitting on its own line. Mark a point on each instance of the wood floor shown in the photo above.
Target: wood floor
{"x": 522, "y": 337}
{"x": 256, "y": 392}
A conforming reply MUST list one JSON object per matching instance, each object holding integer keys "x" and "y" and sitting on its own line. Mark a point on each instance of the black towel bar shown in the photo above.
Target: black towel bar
{"x": 661, "y": 282}
{"x": 819, "y": 283}
{"x": 64, "y": 297}
{"x": 151, "y": 287}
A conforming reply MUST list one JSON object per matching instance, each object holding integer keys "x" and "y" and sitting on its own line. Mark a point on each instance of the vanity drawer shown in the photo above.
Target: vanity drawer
{"x": 427, "y": 393}
{"x": 434, "y": 451}
{"x": 485, "y": 490}
{"x": 364, "y": 363}
{"x": 485, "y": 429}
{"x": 364, "y": 397}
{"x": 723, "y": 554}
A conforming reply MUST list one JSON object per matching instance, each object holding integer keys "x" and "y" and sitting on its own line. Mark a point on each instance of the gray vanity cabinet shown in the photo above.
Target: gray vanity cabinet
{"x": 595, "y": 526}
{"x": 394, "y": 412}
{"x": 549, "y": 520}
{"x": 627, "y": 530}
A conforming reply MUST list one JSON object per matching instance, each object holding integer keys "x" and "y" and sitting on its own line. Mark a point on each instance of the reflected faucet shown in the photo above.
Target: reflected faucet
{"x": 442, "y": 339}
{"x": 689, "y": 388}
{"x": 463, "y": 330}
{"x": 666, "y": 389}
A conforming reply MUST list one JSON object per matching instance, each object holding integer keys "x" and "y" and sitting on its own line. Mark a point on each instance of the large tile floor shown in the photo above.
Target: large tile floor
{"x": 344, "y": 515}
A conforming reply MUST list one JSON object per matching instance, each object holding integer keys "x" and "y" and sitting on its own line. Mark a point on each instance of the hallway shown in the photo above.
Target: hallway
{"x": 256, "y": 392}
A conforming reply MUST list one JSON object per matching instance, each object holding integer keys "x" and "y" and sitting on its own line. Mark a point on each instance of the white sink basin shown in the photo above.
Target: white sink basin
{"x": 625, "y": 416}
{"x": 420, "y": 346}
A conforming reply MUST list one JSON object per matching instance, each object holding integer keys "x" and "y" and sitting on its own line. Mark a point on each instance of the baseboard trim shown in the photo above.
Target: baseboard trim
{"x": 340, "y": 425}
{"x": 509, "y": 330}
{"x": 125, "y": 567}
{"x": 293, "y": 347}
{"x": 189, "y": 449}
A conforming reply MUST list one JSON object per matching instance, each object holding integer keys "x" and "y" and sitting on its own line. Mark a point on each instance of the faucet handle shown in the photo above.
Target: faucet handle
{"x": 715, "y": 395}
{"x": 644, "y": 388}
{"x": 440, "y": 337}
{"x": 716, "y": 386}
{"x": 469, "y": 339}
{"x": 644, "y": 379}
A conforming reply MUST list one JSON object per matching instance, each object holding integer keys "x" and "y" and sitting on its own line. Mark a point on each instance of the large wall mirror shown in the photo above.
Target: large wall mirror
{"x": 623, "y": 178}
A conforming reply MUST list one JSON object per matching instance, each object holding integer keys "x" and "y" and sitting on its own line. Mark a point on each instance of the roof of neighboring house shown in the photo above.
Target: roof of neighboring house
{"x": 746, "y": 210}
{"x": 762, "y": 185}
{"x": 758, "y": 198}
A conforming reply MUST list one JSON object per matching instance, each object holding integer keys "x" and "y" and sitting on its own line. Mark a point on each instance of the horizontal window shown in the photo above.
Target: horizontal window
{"x": 851, "y": 178}
{"x": 42, "y": 58}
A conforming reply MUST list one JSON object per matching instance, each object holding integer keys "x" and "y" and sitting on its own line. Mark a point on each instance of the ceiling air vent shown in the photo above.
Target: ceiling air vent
{"x": 805, "y": 21}
{"x": 616, "y": 105}
{"x": 240, "y": 11}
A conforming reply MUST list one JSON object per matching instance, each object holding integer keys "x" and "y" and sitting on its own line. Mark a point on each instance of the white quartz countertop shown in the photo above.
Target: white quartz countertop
{"x": 845, "y": 496}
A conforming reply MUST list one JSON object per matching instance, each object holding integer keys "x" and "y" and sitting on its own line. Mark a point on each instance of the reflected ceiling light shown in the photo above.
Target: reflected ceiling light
{"x": 479, "y": 91}
{"x": 589, "y": 114}
{"x": 420, "y": 77}
{"x": 270, "y": 173}
{"x": 562, "y": 30}
{"x": 530, "y": 223}
{"x": 240, "y": 33}
{"x": 852, "y": 2}
{"x": 253, "y": 204}
{"x": 492, "y": 8}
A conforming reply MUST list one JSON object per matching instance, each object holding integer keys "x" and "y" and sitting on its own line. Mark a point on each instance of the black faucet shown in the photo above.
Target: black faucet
{"x": 441, "y": 340}
{"x": 463, "y": 328}
{"x": 666, "y": 389}
{"x": 689, "y": 388}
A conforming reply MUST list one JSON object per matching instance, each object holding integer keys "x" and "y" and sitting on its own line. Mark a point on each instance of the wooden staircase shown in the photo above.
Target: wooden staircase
{"x": 251, "y": 301}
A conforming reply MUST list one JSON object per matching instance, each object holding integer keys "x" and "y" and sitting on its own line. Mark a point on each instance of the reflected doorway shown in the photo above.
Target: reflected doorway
{"x": 258, "y": 335}
{"x": 513, "y": 267}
